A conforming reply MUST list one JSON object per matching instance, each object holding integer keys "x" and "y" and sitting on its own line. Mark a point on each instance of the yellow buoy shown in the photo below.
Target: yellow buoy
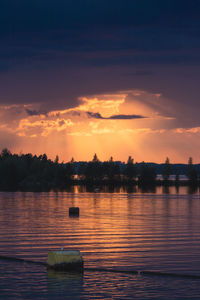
{"x": 65, "y": 260}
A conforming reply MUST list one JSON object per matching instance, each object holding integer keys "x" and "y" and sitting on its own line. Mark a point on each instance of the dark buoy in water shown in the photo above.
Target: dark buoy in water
{"x": 74, "y": 211}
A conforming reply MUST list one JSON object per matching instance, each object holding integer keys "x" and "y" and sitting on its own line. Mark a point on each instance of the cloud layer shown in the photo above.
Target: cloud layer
{"x": 126, "y": 122}
{"x": 76, "y": 49}
{"x": 114, "y": 117}
{"x": 89, "y": 76}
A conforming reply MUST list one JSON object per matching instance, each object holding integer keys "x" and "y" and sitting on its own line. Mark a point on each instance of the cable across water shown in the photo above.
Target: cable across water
{"x": 133, "y": 272}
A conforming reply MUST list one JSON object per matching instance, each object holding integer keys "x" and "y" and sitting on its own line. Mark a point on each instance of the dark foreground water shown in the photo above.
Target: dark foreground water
{"x": 127, "y": 231}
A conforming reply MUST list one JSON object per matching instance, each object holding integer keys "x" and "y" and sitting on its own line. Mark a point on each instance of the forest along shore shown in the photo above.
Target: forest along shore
{"x": 30, "y": 172}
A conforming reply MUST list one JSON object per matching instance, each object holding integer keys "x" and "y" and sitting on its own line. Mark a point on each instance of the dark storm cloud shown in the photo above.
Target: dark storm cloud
{"x": 125, "y": 117}
{"x": 31, "y": 112}
{"x": 34, "y": 112}
{"x": 53, "y": 30}
{"x": 94, "y": 115}
{"x": 32, "y": 16}
{"x": 114, "y": 117}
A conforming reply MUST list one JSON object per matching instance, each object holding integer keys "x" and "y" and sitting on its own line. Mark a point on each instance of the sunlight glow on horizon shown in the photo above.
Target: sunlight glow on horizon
{"x": 149, "y": 134}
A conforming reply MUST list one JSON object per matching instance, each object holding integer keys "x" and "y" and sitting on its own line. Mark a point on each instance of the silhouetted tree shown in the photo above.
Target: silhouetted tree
{"x": 82, "y": 170}
{"x": 191, "y": 172}
{"x": 72, "y": 161}
{"x": 130, "y": 170}
{"x": 147, "y": 175}
{"x": 56, "y": 159}
{"x": 95, "y": 159}
{"x": 166, "y": 170}
{"x": 11, "y": 179}
{"x": 111, "y": 170}
{"x": 69, "y": 170}
{"x": 5, "y": 153}
{"x": 94, "y": 170}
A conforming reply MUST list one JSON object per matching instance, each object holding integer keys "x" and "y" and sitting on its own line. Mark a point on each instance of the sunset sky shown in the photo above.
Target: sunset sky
{"x": 115, "y": 77}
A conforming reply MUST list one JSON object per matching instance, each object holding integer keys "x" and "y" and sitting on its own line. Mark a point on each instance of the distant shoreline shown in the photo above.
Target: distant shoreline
{"x": 27, "y": 172}
{"x": 99, "y": 186}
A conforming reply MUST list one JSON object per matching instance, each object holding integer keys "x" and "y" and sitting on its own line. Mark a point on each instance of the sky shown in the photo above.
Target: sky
{"x": 112, "y": 77}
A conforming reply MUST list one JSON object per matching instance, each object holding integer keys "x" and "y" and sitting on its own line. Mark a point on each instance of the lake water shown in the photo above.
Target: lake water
{"x": 157, "y": 231}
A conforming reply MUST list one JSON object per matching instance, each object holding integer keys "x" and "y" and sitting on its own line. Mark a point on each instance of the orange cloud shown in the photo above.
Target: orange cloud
{"x": 108, "y": 104}
{"x": 187, "y": 130}
{"x": 33, "y": 127}
{"x": 88, "y": 128}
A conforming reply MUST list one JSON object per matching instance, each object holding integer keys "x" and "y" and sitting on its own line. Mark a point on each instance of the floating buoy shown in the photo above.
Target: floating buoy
{"x": 65, "y": 260}
{"x": 74, "y": 211}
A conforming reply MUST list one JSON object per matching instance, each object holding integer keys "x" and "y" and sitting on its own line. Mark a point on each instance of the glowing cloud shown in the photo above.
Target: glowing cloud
{"x": 132, "y": 122}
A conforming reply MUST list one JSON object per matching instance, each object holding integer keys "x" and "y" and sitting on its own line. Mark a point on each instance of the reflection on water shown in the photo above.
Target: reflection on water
{"x": 128, "y": 230}
{"x": 64, "y": 282}
{"x": 22, "y": 282}
{"x": 176, "y": 189}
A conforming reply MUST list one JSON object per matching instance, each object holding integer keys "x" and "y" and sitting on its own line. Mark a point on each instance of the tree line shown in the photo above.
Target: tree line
{"x": 29, "y": 172}
{"x": 110, "y": 171}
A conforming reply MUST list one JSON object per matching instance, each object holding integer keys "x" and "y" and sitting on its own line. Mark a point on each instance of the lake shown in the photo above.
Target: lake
{"x": 126, "y": 230}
